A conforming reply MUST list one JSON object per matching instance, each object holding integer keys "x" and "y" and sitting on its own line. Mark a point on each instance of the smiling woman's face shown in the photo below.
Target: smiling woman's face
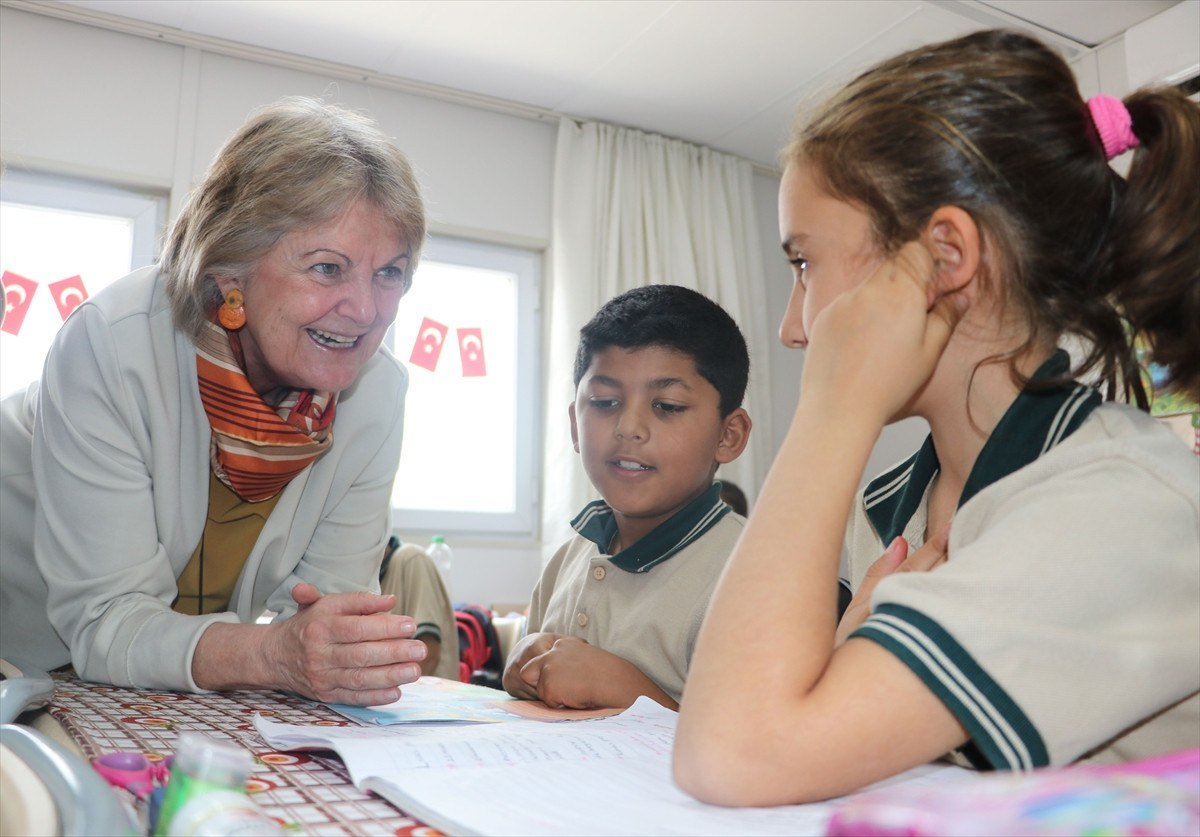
{"x": 320, "y": 301}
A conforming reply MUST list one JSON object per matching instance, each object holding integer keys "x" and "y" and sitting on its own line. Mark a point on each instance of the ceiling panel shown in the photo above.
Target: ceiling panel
{"x": 706, "y": 67}
{"x": 353, "y": 32}
{"x": 531, "y": 52}
{"x": 760, "y": 137}
{"x": 1088, "y": 23}
{"x": 152, "y": 11}
{"x": 728, "y": 73}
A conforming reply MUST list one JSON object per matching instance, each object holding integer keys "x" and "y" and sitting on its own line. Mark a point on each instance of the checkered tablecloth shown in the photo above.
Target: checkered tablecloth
{"x": 309, "y": 793}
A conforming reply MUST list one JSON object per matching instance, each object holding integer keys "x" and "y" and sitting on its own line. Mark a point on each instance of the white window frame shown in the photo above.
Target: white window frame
{"x": 146, "y": 210}
{"x": 526, "y": 265}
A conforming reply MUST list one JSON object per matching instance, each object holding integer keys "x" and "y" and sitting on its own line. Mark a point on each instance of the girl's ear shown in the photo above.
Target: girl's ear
{"x": 735, "y": 433}
{"x": 953, "y": 239}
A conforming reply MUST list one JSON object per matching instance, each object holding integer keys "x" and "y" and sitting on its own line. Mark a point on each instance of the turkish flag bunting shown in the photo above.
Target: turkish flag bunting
{"x": 68, "y": 293}
{"x": 428, "y": 346}
{"x": 470, "y": 346}
{"x": 18, "y": 293}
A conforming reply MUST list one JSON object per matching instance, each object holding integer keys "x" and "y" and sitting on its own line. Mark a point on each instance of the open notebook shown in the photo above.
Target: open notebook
{"x": 602, "y": 776}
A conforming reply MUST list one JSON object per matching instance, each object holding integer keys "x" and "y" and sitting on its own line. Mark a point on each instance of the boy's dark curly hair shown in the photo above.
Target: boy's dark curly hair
{"x": 675, "y": 318}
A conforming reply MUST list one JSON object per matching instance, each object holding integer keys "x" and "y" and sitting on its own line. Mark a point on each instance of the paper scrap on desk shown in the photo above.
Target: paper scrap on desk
{"x": 606, "y": 776}
{"x": 536, "y": 710}
{"x": 432, "y": 700}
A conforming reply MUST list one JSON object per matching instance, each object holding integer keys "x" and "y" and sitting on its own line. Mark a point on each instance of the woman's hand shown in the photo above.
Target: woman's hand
{"x": 531, "y": 646}
{"x": 344, "y": 648}
{"x": 895, "y": 559}
{"x": 874, "y": 347}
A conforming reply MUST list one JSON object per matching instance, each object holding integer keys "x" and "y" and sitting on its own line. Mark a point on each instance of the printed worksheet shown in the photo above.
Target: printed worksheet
{"x": 604, "y": 776}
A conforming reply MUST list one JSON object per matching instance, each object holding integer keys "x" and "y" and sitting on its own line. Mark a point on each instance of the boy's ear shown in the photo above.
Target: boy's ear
{"x": 574, "y": 427}
{"x": 735, "y": 433}
{"x": 953, "y": 239}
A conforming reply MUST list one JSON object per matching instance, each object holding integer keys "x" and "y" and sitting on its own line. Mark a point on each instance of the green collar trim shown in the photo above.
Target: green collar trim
{"x": 598, "y": 524}
{"x": 1035, "y": 422}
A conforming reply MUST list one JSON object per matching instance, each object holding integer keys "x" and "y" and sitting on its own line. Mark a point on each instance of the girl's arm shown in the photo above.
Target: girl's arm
{"x": 792, "y": 721}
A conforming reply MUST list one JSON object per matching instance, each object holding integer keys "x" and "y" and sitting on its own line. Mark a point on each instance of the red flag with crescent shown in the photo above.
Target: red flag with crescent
{"x": 470, "y": 346}
{"x": 68, "y": 293}
{"x": 431, "y": 336}
{"x": 18, "y": 293}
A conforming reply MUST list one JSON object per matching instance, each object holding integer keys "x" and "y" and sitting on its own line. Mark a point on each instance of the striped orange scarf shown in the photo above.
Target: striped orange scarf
{"x": 257, "y": 449}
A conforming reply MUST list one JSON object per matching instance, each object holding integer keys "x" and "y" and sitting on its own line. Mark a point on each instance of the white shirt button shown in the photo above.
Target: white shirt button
{"x": 581, "y": 620}
{"x": 598, "y": 573}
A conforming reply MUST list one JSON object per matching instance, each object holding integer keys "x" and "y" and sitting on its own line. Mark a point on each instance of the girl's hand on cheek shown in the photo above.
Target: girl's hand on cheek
{"x": 875, "y": 346}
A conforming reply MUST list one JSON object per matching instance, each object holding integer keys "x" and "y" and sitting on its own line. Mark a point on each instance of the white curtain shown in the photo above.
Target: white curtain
{"x": 634, "y": 209}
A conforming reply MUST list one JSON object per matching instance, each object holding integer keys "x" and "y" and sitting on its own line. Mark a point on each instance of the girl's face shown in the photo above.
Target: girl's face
{"x": 829, "y": 245}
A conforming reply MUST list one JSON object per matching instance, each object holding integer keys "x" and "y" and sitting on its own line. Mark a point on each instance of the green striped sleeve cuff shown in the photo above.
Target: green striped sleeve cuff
{"x": 1002, "y": 732}
{"x": 429, "y": 629}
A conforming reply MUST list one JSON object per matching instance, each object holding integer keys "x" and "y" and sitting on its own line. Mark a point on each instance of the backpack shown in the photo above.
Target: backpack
{"x": 479, "y": 658}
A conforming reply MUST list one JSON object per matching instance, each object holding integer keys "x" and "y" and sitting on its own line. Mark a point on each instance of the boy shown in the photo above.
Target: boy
{"x": 659, "y": 375}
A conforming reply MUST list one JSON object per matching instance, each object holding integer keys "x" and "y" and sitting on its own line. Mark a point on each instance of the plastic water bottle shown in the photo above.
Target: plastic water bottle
{"x": 206, "y": 794}
{"x": 440, "y": 552}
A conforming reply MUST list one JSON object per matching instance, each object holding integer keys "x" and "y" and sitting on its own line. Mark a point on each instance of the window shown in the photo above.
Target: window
{"x": 468, "y": 333}
{"x": 62, "y": 240}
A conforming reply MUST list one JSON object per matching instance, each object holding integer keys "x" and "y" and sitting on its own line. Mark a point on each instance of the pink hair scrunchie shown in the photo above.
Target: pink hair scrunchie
{"x": 1113, "y": 124}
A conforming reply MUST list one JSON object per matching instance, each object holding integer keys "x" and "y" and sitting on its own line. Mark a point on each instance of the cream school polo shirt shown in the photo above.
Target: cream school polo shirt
{"x": 1066, "y": 622}
{"x": 646, "y": 603}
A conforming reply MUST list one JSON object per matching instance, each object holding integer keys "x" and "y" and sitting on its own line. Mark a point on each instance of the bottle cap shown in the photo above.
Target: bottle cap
{"x": 211, "y": 760}
{"x": 437, "y": 539}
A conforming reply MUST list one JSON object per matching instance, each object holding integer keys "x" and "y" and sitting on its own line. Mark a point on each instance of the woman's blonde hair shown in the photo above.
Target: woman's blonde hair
{"x": 295, "y": 164}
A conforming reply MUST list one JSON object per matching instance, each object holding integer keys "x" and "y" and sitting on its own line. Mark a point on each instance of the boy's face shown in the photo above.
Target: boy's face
{"x": 650, "y": 432}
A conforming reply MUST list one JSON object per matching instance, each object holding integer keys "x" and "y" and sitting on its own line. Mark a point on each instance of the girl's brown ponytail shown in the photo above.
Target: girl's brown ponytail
{"x": 1155, "y": 235}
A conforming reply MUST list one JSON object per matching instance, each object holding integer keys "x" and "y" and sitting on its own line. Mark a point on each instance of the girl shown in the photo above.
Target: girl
{"x": 950, "y": 217}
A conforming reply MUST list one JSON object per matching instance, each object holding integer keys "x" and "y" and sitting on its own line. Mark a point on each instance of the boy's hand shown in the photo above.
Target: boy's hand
{"x": 895, "y": 559}
{"x": 531, "y": 646}
{"x": 576, "y": 675}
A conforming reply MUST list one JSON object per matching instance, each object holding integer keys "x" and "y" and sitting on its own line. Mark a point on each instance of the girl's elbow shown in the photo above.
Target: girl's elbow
{"x": 700, "y": 773}
{"x": 752, "y": 773}
{"x": 716, "y": 774}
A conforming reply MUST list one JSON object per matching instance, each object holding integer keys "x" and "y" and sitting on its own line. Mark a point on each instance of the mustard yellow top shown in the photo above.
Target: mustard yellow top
{"x": 230, "y": 531}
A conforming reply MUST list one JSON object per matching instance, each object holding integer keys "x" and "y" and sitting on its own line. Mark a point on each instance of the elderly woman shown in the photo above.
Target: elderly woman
{"x": 218, "y": 435}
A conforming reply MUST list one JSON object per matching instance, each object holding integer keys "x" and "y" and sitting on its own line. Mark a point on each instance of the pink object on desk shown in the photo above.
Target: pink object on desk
{"x": 133, "y": 771}
{"x": 1158, "y": 796}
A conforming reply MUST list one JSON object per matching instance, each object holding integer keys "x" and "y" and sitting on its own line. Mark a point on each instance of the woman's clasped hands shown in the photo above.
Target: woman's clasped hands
{"x": 345, "y": 648}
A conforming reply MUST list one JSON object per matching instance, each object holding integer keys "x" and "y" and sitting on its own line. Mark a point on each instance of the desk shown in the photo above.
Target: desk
{"x": 310, "y": 793}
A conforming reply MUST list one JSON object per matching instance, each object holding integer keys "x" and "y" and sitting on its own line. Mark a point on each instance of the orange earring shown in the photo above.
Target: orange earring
{"x": 231, "y": 313}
